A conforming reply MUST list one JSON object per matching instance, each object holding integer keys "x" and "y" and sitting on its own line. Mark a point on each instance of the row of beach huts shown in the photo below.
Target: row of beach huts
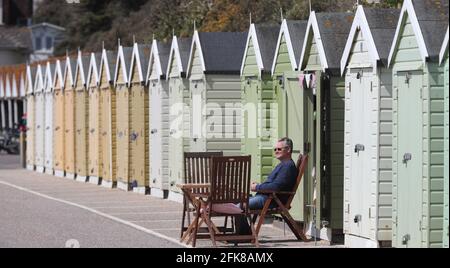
{"x": 365, "y": 94}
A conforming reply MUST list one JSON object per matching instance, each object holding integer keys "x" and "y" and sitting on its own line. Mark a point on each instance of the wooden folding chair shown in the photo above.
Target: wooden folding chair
{"x": 283, "y": 208}
{"x": 196, "y": 183}
{"x": 229, "y": 197}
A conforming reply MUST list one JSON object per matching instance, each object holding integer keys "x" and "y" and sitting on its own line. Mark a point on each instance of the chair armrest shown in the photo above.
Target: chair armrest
{"x": 193, "y": 186}
{"x": 275, "y": 192}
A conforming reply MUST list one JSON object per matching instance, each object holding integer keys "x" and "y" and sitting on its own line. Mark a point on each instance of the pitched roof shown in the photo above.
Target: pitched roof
{"x": 109, "y": 62}
{"x": 297, "y": 32}
{"x": 222, "y": 51}
{"x": 378, "y": 26}
{"x": 382, "y": 23}
{"x": 334, "y": 29}
{"x": 94, "y": 63}
{"x": 444, "y": 49}
{"x": 429, "y": 20}
{"x": 124, "y": 54}
{"x": 184, "y": 45}
{"x": 70, "y": 69}
{"x": 15, "y": 38}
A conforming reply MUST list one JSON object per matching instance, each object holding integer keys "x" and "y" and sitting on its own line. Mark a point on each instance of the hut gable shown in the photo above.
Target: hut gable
{"x": 325, "y": 40}
{"x": 82, "y": 70}
{"x": 107, "y": 67}
{"x": 49, "y": 72}
{"x": 217, "y": 53}
{"x": 158, "y": 60}
{"x": 444, "y": 48}
{"x": 261, "y": 45}
{"x": 139, "y": 63}
{"x": 179, "y": 57}
{"x": 427, "y": 20}
{"x": 14, "y": 86}
{"x": 30, "y": 76}
{"x": 39, "y": 81}
{"x": 22, "y": 87}
{"x": 2, "y": 85}
{"x": 69, "y": 71}
{"x": 7, "y": 90}
{"x": 58, "y": 77}
{"x": 123, "y": 64}
{"x": 93, "y": 73}
{"x": 370, "y": 37}
{"x": 287, "y": 51}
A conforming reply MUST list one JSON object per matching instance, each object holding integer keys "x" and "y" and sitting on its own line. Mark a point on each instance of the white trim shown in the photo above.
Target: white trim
{"x": 58, "y": 75}
{"x": 48, "y": 84}
{"x": 196, "y": 42}
{"x": 14, "y": 88}
{"x": 38, "y": 81}
{"x": 175, "y": 48}
{"x": 22, "y": 89}
{"x": 360, "y": 23}
{"x": 92, "y": 70}
{"x": 253, "y": 36}
{"x": 46, "y": 24}
{"x": 312, "y": 24}
{"x": 408, "y": 7}
{"x": 154, "y": 53}
{"x": 104, "y": 62}
{"x": 284, "y": 31}
{"x": 68, "y": 73}
{"x": 444, "y": 49}
{"x": 134, "y": 56}
{"x": 30, "y": 89}
{"x": 7, "y": 89}
{"x": 121, "y": 58}
{"x": 80, "y": 68}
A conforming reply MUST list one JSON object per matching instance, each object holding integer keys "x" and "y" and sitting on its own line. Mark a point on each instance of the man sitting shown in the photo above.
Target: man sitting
{"x": 282, "y": 178}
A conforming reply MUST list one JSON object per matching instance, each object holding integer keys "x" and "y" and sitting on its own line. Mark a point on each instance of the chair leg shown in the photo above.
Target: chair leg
{"x": 211, "y": 229}
{"x": 295, "y": 228}
{"x": 254, "y": 232}
{"x": 263, "y": 214}
{"x": 183, "y": 219}
{"x": 195, "y": 231}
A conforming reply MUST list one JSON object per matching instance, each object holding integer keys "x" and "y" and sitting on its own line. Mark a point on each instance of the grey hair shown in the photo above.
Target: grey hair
{"x": 288, "y": 143}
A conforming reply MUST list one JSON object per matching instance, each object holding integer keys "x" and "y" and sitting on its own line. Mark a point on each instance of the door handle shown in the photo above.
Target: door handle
{"x": 154, "y": 131}
{"x": 92, "y": 130}
{"x": 172, "y": 131}
{"x": 407, "y": 157}
{"x": 359, "y": 148}
{"x": 133, "y": 136}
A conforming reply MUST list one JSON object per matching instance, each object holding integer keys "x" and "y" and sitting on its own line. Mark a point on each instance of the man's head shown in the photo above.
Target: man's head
{"x": 283, "y": 149}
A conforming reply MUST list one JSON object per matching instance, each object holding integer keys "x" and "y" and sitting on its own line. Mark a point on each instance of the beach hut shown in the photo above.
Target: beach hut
{"x": 58, "y": 120}
{"x": 81, "y": 118}
{"x": 16, "y": 101}
{"x": 286, "y": 111}
{"x": 69, "y": 117}
{"x": 418, "y": 125}
{"x": 39, "y": 111}
{"x": 368, "y": 128}
{"x": 158, "y": 87}
{"x": 323, "y": 121}
{"x": 95, "y": 109}
{"x": 3, "y": 115}
{"x": 258, "y": 98}
{"x": 139, "y": 119}
{"x": 214, "y": 83}
{"x": 48, "y": 103}
{"x": 31, "y": 133}
{"x": 108, "y": 123}
{"x": 443, "y": 59}
{"x": 8, "y": 100}
{"x": 123, "y": 136}
{"x": 179, "y": 112}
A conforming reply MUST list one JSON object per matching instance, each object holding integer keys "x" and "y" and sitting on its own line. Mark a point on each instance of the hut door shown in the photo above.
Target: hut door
{"x": 49, "y": 130}
{"x": 176, "y": 133}
{"x": 58, "y": 134}
{"x": 251, "y": 125}
{"x": 31, "y": 133}
{"x": 40, "y": 129}
{"x": 360, "y": 180}
{"x": 122, "y": 133}
{"x": 155, "y": 133}
{"x": 409, "y": 164}
{"x": 93, "y": 132}
{"x": 105, "y": 134}
{"x": 294, "y": 130}
{"x": 198, "y": 104}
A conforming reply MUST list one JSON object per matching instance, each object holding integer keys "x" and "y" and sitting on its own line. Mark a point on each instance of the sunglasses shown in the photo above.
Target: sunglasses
{"x": 279, "y": 149}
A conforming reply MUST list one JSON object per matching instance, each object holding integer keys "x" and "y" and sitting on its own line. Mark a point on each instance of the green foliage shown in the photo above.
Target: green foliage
{"x": 92, "y": 21}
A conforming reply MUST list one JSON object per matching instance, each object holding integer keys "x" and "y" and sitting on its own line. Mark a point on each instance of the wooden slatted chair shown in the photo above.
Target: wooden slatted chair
{"x": 196, "y": 172}
{"x": 230, "y": 191}
{"x": 283, "y": 208}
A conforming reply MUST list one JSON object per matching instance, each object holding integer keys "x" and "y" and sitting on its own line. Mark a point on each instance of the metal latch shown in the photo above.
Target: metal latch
{"x": 359, "y": 148}
{"x": 406, "y": 239}
{"x": 154, "y": 131}
{"x": 357, "y": 218}
{"x": 407, "y": 157}
{"x": 133, "y": 136}
{"x": 172, "y": 131}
